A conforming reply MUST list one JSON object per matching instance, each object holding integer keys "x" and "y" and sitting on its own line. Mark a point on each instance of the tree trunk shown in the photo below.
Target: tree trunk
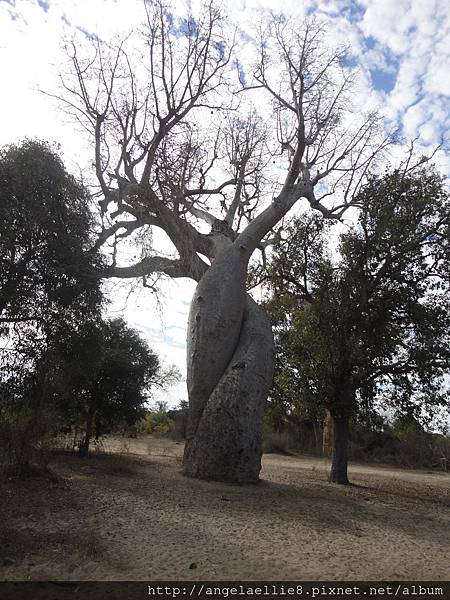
{"x": 327, "y": 435}
{"x": 230, "y": 370}
{"x": 340, "y": 450}
{"x": 317, "y": 436}
{"x": 84, "y": 446}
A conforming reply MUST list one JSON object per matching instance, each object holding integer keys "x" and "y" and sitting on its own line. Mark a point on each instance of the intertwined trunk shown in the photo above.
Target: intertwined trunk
{"x": 229, "y": 373}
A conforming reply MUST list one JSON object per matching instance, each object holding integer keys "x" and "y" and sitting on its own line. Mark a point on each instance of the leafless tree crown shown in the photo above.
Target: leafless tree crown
{"x": 177, "y": 141}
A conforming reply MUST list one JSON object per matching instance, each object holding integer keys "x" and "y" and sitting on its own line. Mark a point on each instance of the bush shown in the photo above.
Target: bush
{"x": 441, "y": 451}
{"x": 25, "y": 440}
{"x": 156, "y": 420}
{"x": 405, "y": 443}
{"x": 180, "y": 417}
{"x": 276, "y": 442}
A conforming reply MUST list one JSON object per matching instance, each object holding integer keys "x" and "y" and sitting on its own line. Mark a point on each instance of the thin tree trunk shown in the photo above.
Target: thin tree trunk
{"x": 340, "y": 450}
{"x": 84, "y": 446}
{"x": 316, "y": 431}
{"x": 327, "y": 435}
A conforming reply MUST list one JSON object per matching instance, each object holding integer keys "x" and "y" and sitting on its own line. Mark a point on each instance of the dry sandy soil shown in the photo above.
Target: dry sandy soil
{"x": 131, "y": 515}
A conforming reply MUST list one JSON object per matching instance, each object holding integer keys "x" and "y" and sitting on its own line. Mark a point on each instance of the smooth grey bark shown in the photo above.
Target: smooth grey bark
{"x": 214, "y": 325}
{"x": 230, "y": 356}
{"x": 230, "y": 371}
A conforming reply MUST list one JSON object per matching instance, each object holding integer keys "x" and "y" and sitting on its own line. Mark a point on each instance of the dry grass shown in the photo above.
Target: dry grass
{"x": 118, "y": 464}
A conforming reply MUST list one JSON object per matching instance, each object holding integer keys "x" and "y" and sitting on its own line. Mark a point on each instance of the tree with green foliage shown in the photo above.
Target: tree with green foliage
{"x": 104, "y": 373}
{"x": 45, "y": 233}
{"x": 369, "y": 323}
{"x": 48, "y": 286}
{"x": 157, "y": 419}
{"x": 62, "y": 365}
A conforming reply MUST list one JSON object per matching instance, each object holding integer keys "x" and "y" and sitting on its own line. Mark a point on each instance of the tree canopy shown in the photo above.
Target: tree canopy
{"x": 62, "y": 365}
{"x": 46, "y": 230}
{"x": 47, "y": 280}
{"x": 104, "y": 373}
{"x": 369, "y": 324}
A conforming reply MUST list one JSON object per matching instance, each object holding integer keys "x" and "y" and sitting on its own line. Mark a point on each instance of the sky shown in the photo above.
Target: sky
{"x": 402, "y": 49}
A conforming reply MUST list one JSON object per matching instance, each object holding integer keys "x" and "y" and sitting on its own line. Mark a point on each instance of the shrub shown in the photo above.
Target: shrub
{"x": 156, "y": 421}
{"x": 276, "y": 442}
{"x": 25, "y": 440}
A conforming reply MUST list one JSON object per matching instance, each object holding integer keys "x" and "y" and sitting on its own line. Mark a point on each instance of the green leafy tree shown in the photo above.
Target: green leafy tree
{"x": 45, "y": 232}
{"x": 47, "y": 286}
{"x": 371, "y": 325}
{"x": 47, "y": 281}
{"x": 104, "y": 374}
{"x": 157, "y": 419}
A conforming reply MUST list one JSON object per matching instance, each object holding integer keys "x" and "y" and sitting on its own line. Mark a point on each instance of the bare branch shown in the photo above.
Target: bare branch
{"x": 148, "y": 265}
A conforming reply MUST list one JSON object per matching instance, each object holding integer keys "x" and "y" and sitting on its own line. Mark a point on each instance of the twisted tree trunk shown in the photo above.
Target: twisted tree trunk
{"x": 230, "y": 370}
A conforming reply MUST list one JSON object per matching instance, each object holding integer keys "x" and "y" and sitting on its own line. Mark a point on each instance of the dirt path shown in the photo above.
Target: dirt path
{"x": 135, "y": 517}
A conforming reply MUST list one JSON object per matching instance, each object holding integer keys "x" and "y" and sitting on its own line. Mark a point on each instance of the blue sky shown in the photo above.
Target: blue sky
{"x": 402, "y": 48}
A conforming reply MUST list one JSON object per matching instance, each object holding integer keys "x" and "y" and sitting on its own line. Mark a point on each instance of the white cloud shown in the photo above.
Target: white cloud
{"x": 417, "y": 33}
{"x": 392, "y": 23}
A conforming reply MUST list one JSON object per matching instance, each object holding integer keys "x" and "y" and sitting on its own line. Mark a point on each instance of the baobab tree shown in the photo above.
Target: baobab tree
{"x": 163, "y": 162}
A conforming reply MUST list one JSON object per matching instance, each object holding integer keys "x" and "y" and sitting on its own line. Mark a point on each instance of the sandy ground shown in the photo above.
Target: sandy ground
{"x": 131, "y": 515}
